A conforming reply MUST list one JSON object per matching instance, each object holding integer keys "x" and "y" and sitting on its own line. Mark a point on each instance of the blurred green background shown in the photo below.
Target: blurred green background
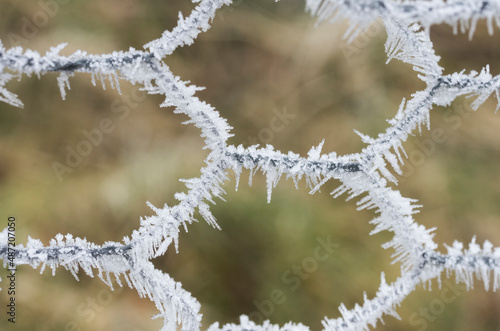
{"x": 260, "y": 59}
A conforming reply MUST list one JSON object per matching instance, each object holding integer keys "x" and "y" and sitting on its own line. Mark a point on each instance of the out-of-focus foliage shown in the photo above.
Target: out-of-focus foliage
{"x": 259, "y": 59}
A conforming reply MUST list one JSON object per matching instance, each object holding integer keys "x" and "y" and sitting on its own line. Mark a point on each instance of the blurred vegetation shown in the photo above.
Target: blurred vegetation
{"x": 259, "y": 58}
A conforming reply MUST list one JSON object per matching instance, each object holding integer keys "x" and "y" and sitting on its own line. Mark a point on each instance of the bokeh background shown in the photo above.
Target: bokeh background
{"x": 260, "y": 59}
